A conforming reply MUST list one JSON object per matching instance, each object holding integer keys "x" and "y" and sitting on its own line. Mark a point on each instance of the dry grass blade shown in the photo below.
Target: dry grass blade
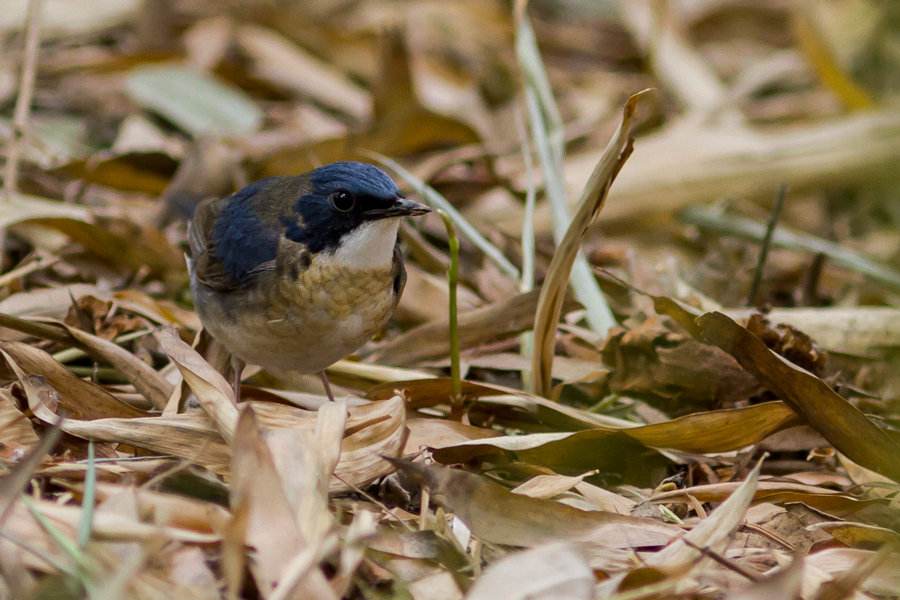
{"x": 554, "y": 288}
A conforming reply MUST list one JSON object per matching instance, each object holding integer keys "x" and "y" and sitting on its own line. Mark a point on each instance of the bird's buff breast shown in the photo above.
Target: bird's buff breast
{"x": 305, "y": 323}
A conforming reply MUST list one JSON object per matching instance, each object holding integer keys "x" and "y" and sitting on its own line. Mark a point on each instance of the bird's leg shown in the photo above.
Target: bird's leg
{"x": 237, "y": 369}
{"x": 327, "y": 385}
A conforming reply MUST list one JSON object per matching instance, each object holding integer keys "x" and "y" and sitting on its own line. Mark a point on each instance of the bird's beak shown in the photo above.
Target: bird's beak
{"x": 402, "y": 207}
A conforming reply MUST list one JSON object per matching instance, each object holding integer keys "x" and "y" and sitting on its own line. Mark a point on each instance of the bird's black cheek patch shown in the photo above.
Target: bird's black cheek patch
{"x": 316, "y": 225}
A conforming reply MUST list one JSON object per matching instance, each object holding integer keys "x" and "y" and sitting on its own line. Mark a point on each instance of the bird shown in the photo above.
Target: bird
{"x": 293, "y": 273}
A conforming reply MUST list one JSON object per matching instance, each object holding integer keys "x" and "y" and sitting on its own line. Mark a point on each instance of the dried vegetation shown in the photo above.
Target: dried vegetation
{"x": 677, "y": 311}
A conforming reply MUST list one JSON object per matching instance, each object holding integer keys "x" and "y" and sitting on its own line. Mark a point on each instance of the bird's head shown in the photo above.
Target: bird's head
{"x": 349, "y": 207}
{"x": 349, "y": 211}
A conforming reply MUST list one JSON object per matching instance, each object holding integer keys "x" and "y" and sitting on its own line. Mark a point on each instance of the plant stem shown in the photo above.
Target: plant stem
{"x": 452, "y": 279}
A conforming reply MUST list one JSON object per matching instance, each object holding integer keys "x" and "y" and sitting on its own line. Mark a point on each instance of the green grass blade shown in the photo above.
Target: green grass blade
{"x": 547, "y": 133}
{"x": 87, "y": 503}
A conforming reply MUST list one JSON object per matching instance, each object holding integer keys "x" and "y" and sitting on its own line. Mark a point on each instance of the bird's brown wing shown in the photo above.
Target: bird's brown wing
{"x": 206, "y": 267}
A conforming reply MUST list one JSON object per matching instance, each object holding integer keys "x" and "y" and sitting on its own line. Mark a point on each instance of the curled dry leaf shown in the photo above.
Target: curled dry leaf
{"x": 546, "y": 572}
{"x": 553, "y": 290}
{"x": 496, "y": 515}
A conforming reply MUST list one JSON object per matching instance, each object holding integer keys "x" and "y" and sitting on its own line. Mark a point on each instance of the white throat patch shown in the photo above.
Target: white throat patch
{"x": 369, "y": 246}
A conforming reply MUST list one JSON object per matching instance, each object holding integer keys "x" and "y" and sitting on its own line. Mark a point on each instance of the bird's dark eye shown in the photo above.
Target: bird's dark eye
{"x": 343, "y": 201}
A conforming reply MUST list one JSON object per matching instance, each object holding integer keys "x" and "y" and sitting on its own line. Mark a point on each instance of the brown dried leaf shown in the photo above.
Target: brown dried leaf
{"x": 496, "y": 515}
{"x": 840, "y": 422}
{"x": 272, "y": 527}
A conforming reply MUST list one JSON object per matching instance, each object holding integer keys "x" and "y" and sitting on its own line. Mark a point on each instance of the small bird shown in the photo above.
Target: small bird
{"x": 295, "y": 273}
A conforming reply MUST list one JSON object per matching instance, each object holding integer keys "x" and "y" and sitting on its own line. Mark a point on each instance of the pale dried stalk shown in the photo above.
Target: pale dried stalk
{"x": 553, "y": 290}
{"x": 22, "y": 110}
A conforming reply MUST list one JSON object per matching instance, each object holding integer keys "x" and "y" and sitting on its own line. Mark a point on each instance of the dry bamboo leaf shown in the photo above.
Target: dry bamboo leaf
{"x": 689, "y": 162}
{"x": 431, "y": 392}
{"x": 665, "y": 568}
{"x": 858, "y": 534}
{"x": 193, "y": 100}
{"x": 119, "y": 241}
{"x": 191, "y": 437}
{"x": 709, "y": 532}
{"x": 549, "y": 572}
{"x": 110, "y": 526}
{"x": 553, "y": 290}
{"x": 144, "y": 377}
{"x": 783, "y": 584}
{"x": 305, "y": 461}
{"x": 498, "y": 516}
{"x": 549, "y": 486}
{"x": 47, "y": 381}
{"x": 440, "y": 433}
{"x": 215, "y": 395}
{"x": 837, "y": 420}
{"x": 276, "y": 59}
{"x": 380, "y": 433}
{"x": 47, "y": 302}
{"x": 603, "y": 499}
{"x": 818, "y": 53}
{"x": 11, "y": 485}
{"x": 170, "y": 509}
{"x": 60, "y": 18}
{"x": 710, "y": 431}
{"x": 272, "y": 527}
{"x": 826, "y": 566}
{"x": 479, "y": 326}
